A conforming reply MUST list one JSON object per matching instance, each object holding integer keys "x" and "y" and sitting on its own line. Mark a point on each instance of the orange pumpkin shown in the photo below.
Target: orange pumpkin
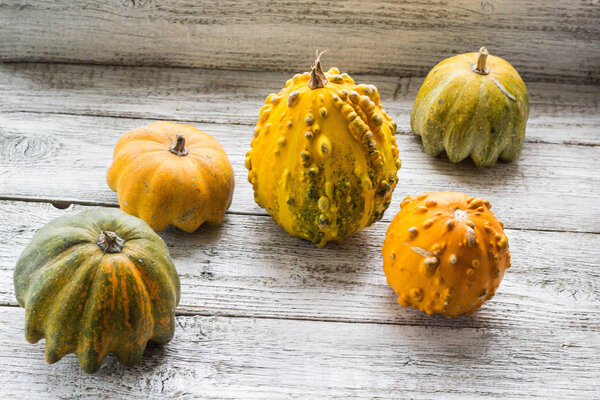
{"x": 445, "y": 253}
{"x": 171, "y": 174}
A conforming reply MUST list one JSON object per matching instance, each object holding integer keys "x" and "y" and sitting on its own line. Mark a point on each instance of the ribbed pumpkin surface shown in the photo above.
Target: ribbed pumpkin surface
{"x": 171, "y": 174}
{"x": 465, "y": 113}
{"x": 89, "y": 301}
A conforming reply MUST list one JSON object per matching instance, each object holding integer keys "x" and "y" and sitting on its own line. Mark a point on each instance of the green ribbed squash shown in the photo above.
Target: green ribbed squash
{"x": 472, "y": 105}
{"x": 94, "y": 283}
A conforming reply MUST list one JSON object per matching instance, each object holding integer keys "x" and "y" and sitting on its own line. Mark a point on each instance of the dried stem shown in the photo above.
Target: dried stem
{"x": 317, "y": 77}
{"x": 481, "y": 68}
{"x": 178, "y": 148}
{"x": 109, "y": 242}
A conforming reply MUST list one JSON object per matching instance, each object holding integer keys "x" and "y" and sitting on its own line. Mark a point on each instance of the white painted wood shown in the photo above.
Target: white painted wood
{"x": 250, "y": 267}
{"x": 559, "y": 113}
{"x": 65, "y": 157}
{"x": 544, "y": 40}
{"x": 246, "y": 358}
{"x": 264, "y": 315}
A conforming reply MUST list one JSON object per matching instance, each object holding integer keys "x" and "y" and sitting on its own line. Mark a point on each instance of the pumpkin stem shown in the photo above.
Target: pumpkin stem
{"x": 179, "y": 148}
{"x": 317, "y": 77}
{"x": 481, "y": 68}
{"x": 109, "y": 242}
{"x": 461, "y": 215}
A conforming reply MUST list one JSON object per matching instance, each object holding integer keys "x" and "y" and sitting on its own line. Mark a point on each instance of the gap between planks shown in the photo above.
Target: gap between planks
{"x": 175, "y": 119}
{"x": 63, "y": 204}
{"x": 251, "y": 126}
{"x": 461, "y": 322}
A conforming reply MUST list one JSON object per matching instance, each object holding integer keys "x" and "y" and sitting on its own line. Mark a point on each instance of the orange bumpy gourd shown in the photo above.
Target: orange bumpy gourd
{"x": 445, "y": 253}
{"x": 171, "y": 174}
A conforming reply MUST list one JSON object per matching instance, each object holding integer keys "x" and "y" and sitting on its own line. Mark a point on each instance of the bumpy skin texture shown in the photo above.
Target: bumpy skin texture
{"x": 163, "y": 188}
{"x": 87, "y": 302}
{"x": 467, "y": 114}
{"x": 323, "y": 161}
{"x": 445, "y": 253}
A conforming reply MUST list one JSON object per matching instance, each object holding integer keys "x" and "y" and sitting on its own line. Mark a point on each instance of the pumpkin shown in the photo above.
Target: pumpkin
{"x": 171, "y": 174}
{"x": 97, "y": 282}
{"x": 445, "y": 253}
{"x": 323, "y": 161}
{"x": 474, "y": 105}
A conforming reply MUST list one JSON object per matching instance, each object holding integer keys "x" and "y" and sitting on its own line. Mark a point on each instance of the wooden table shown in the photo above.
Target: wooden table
{"x": 265, "y": 315}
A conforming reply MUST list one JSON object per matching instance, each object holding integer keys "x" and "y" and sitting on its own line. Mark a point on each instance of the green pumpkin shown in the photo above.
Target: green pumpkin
{"x": 472, "y": 105}
{"x": 94, "y": 283}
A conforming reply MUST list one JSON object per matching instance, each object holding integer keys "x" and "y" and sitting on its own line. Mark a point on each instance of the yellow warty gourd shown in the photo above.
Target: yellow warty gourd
{"x": 324, "y": 157}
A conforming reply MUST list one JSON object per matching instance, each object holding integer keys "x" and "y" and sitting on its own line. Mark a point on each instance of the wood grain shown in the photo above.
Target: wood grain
{"x": 65, "y": 158}
{"x": 247, "y": 358}
{"x": 262, "y": 282}
{"x": 556, "y": 40}
{"x": 265, "y": 315}
{"x": 559, "y": 113}
{"x": 248, "y": 266}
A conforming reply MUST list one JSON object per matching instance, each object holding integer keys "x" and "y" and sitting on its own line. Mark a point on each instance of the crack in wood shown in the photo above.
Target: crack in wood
{"x": 60, "y": 204}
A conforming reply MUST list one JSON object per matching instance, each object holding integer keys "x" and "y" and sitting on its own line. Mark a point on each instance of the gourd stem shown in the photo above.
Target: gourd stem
{"x": 481, "y": 68}
{"x": 179, "y": 148}
{"x": 109, "y": 242}
{"x": 317, "y": 77}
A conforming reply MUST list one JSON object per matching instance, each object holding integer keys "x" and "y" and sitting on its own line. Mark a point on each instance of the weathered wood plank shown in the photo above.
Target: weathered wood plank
{"x": 544, "y": 40}
{"x": 248, "y": 266}
{"x": 245, "y": 358}
{"x": 65, "y": 158}
{"x": 560, "y": 113}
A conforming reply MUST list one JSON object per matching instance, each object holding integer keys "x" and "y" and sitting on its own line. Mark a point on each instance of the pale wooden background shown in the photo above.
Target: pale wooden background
{"x": 544, "y": 40}
{"x": 264, "y": 315}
